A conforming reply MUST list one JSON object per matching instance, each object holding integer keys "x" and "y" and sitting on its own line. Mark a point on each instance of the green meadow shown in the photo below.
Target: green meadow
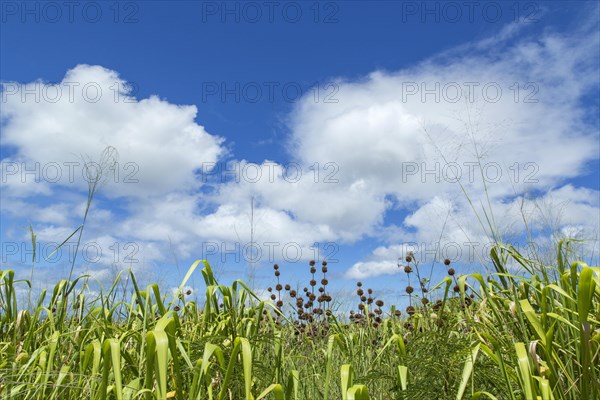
{"x": 497, "y": 336}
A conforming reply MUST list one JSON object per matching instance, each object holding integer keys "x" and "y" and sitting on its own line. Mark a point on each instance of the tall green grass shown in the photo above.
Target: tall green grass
{"x": 535, "y": 336}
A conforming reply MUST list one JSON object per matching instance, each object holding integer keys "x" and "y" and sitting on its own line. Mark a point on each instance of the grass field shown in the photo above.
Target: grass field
{"x": 535, "y": 336}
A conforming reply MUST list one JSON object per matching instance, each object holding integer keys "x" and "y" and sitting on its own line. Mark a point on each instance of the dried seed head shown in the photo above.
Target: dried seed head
{"x": 397, "y": 313}
{"x": 287, "y": 287}
{"x": 379, "y": 303}
{"x": 513, "y": 308}
{"x": 275, "y": 267}
{"x": 456, "y": 288}
{"x": 311, "y": 262}
{"x": 278, "y": 287}
{"x": 270, "y": 289}
{"x": 409, "y": 289}
{"x": 370, "y": 291}
{"x": 360, "y": 292}
{"x": 305, "y": 289}
{"x": 408, "y": 269}
{"x": 447, "y": 261}
{"x": 425, "y": 300}
{"x": 273, "y": 297}
{"x": 189, "y": 292}
{"x": 292, "y": 293}
{"x": 321, "y": 290}
{"x": 451, "y": 271}
{"x": 277, "y": 273}
{"x": 324, "y": 263}
{"x": 324, "y": 282}
{"x": 279, "y": 303}
{"x": 313, "y": 282}
{"x": 410, "y": 310}
{"x": 361, "y": 306}
{"x": 363, "y": 298}
{"x": 370, "y": 300}
{"x": 313, "y": 270}
{"x": 176, "y": 308}
{"x": 359, "y": 284}
{"x": 408, "y": 258}
{"x": 324, "y": 269}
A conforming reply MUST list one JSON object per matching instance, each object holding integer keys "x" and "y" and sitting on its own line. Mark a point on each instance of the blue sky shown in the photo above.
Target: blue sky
{"x": 372, "y": 95}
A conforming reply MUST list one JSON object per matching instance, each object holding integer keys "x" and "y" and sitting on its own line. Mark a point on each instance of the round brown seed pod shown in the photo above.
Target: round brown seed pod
{"x": 408, "y": 269}
{"x": 409, "y": 289}
{"x": 379, "y": 303}
{"x": 447, "y": 261}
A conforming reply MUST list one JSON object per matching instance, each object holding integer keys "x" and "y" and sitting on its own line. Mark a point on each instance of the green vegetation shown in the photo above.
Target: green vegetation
{"x": 535, "y": 336}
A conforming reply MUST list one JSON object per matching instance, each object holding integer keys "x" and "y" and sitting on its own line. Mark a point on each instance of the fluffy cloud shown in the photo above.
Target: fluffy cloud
{"x": 159, "y": 144}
